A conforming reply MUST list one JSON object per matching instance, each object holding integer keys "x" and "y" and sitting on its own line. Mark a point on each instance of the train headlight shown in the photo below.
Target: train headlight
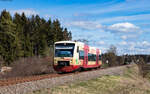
{"x": 55, "y": 62}
{"x": 71, "y": 61}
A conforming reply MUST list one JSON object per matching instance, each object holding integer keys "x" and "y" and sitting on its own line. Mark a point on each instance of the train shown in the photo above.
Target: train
{"x": 70, "y": 56}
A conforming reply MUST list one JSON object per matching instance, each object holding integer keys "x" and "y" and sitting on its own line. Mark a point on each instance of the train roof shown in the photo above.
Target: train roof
{"x": 70, "y": 42}
{"x": 79, "y": 43}
{"x": 65, "y": 42}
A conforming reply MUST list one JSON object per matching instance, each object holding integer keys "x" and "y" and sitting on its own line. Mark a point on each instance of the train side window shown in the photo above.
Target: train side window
{"x": 94, "y": 56}
{"x": 81, "y": 54}
{"x": 77, "y": 48}
{"x": 100, "y": 57}
{"x": 91, "y": 57}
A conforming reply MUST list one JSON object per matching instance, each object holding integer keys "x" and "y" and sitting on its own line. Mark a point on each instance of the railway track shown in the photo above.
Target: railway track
{"x": 17, "y": 80}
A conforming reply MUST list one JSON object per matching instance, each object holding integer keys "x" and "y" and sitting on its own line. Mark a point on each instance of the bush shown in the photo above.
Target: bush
{"x": 143, "y": 67}
{"x": 30, "y": 66}
{"x": 110, "y": 57}
{"x": 120, "y": 60}
{"x": 1, "y": 63}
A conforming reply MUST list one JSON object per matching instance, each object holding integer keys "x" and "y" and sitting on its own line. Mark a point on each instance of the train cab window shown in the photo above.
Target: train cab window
{"x": 100, "y": 57}
{"x": 81, "y": 54}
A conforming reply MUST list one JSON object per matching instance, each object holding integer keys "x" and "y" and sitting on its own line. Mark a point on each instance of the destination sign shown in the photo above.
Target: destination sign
{"x": 63, "y": 47}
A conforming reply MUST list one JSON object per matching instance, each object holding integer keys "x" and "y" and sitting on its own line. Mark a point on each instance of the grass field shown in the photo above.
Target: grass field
{"x": 129, "y": 83}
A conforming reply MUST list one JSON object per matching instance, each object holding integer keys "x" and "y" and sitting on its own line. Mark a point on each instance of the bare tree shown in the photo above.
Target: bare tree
{"x": 83, "y": 40}
{"x": 112, "y": 49}
{"x": 111, "y": 56}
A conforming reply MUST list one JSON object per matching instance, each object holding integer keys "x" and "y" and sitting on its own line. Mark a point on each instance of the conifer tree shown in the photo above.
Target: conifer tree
{"x": 8, "y": 38}
{"x": 57, "y": 30}
{"x": 23, "y": 36}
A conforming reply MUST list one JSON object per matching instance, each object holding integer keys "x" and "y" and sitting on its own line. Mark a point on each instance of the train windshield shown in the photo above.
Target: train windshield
{"x": 64, "y": 49}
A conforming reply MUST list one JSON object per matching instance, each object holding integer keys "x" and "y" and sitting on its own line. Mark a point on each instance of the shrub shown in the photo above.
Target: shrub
{"x": 1, "y": 63}
{"x": 120, "y": 60}
{"x": 143, "y": 67}
{"x": 30, "y": 66}
{"x": 110, "y": 57}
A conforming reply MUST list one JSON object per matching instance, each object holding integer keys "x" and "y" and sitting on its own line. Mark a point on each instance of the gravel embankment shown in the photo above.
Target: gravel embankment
{"x": 23, "y": 88}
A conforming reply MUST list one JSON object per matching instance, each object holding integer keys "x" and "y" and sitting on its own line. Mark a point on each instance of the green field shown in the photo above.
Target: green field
{"x": 128, "y": 83}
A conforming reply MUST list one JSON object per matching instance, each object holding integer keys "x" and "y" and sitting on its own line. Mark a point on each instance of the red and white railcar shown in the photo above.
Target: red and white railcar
{"x": 71, "y": 56}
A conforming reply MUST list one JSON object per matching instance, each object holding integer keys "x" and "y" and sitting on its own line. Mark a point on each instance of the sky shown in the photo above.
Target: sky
{"x": 122, "y": 23}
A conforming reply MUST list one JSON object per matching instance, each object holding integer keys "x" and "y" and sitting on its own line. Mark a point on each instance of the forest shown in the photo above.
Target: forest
{"x": 22, "y": 36}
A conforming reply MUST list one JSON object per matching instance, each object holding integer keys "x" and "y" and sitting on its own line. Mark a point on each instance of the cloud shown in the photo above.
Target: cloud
{"x": 52, "y": 16}
{"x": 139, "y": 47}
{"x": 125, "y": 31}
{"x": 47, "y": 16}
{"x": 124, "y": 37}
{"x": 116, "y": 28}
{"x": 89, "y": 25}
{"x": 28, "y": 12}
{"x": 129, "y": 36}
{"x": 124, "y": 27}
{"x": 142, "y": 47}
{"x": 101, "y": 43}
{"x": 145, "y": 43}
{"x": 123, "y": 43}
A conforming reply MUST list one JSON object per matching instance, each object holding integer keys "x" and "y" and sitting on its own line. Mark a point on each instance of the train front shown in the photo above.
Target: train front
{"x": 63, "y": 56}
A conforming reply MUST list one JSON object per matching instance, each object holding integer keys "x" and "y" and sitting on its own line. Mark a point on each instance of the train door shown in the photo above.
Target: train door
{"x": 97, "y": 56}
{"x": 86, "y": 49}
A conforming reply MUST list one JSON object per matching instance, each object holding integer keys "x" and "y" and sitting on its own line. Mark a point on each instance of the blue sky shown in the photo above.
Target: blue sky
{"x": 123, "y": 23}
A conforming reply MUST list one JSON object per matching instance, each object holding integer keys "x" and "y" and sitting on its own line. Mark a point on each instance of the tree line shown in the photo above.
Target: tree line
{"x": 110, "y": 58}
{"x": 22, "y": 36}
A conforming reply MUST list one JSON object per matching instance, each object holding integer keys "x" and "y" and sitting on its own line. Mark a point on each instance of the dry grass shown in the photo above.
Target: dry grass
{"x": 30, "y": 66}
{"x": 129, "y": 83}
{"x": 144, "y": 68}
{"x": 1, "y": 62}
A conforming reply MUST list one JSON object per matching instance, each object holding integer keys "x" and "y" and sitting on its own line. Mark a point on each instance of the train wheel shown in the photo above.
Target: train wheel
{"x": 61, "y": 72}
{"x": 81, "y": 69}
